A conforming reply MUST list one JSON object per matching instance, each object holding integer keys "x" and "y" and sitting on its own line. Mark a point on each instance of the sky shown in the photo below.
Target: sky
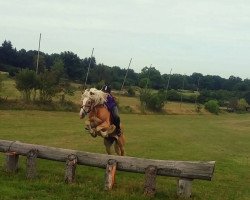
{"x": 211, "y": 37}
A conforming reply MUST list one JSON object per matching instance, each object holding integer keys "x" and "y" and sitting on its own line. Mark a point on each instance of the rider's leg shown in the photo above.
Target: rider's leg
{"x": 116, "y": 120}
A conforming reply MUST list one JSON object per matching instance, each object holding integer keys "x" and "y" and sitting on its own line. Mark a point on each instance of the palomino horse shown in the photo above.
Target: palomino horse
{"x": 99, "y": 120}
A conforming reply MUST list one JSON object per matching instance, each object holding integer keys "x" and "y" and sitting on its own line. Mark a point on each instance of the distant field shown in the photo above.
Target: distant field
{"x": 9, "y": 89}
{"x": 223, "y": 138}
{"x": 11, "y": 92}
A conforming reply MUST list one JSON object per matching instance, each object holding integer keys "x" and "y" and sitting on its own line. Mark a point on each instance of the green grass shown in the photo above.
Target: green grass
{"x": 223, "y": 138}
{"x": 8, "y": 88}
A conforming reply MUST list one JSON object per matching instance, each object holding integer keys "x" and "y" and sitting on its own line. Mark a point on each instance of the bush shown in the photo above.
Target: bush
{"x": 125, "y": 109}
{"x": 1, "y": 83}
{"x": 233, "y": 104}
{"x": 163, "y": 94}
{"x": 154, "y": 102}
{"x": 144, "y": 95}
{"x": 212, "y": 106}
{"x": 131, "y": 92}
{"x": 173, "y": 95}
{"x": 242, "y": 105}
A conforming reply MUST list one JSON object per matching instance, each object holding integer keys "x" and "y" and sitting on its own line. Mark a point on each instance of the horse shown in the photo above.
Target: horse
{"x": 99, "y": 121}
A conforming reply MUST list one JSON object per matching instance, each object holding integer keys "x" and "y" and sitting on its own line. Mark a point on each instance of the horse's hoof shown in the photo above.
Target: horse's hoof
{"x": 93, "y": 134}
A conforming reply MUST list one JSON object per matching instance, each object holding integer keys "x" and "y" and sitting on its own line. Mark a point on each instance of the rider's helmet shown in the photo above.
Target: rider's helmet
{"x": 106, "y": 88}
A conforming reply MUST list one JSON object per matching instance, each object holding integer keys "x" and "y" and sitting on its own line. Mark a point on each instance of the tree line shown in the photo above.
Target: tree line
{"x": 53, "y": 73}
{"x": 75, "y": 69}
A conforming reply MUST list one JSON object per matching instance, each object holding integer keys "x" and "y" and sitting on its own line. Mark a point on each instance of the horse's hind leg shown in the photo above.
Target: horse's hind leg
{"x": 119, "y": 146}
{"x": 108, "y": 146}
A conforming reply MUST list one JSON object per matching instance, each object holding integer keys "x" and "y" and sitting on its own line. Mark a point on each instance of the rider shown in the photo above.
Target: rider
{"x": 112, "y": 107}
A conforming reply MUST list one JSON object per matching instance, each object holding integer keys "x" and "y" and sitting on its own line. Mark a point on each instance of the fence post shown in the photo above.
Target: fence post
{"x": 150, "y": 181}
{"x": 31, "y": 171}
{"x": 11, "y": 161}
{"x": 71, "y": 163}
{"x": 110, "y": 174}
{"x": 184, "y": 187}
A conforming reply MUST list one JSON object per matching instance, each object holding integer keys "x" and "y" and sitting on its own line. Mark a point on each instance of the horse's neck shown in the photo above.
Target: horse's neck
{"x": 97, "y": 107}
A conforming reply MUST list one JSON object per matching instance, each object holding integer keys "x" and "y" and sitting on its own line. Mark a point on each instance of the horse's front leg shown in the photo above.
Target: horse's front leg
{"x": 108, "y": 146}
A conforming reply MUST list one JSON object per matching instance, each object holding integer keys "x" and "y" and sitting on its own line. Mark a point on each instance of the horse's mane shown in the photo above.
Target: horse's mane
{"x": 99, "y": 97}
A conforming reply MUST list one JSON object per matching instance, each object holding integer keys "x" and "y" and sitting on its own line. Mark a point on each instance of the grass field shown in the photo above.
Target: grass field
{"x": 224, "y": 138}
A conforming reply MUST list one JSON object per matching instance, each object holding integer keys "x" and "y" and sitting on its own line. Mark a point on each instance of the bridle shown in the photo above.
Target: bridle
{"x": 89, "y": 102}
{"x": 87, "y": 107}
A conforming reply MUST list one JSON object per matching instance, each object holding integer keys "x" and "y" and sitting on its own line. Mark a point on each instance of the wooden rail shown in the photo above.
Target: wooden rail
{"x": 186, "y": 171}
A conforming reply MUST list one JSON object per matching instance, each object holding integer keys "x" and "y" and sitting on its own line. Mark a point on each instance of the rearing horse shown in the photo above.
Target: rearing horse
{"x": 99, "y": 120}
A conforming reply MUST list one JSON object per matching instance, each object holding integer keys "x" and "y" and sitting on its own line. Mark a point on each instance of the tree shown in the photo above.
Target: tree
{"x": 61, "y": 80}
{"x": 8, "y": 55}
{"x": 100, "y": 72}
{"x": 232, "y": 82}
{"x": 247, "y": 97}
{"x": 26, "y": 81}
{"x": 209, "y": 82}
{"x": 154, "y": 77}
{"x": 74, "y": 67}
{"x": 48, "y": 86}
{"x": 195, "y": 80}
{"x": 41, "y": 63}
{"x": 243, "y": 85}
{"x": 144, "y": 82}
{"x": 176, "y": 81}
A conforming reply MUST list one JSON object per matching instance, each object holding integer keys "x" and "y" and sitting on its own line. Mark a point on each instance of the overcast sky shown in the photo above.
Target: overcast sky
{"x": 206, "y": 36}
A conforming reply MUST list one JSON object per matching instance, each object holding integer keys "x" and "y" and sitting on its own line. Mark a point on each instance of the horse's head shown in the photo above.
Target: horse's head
{"x": 86, "y": 104}
{"x": 91, "y": 98}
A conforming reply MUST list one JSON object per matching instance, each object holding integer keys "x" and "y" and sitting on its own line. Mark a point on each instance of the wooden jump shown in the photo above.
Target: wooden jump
{"x": 186, "y": 171}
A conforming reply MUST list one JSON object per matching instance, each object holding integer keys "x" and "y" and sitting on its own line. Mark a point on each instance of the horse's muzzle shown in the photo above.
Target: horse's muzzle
{"x": 82, "y": 113}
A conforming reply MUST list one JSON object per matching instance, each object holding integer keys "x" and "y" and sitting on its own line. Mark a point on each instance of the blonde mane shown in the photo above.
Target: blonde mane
{"x": 99, "y": 97}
